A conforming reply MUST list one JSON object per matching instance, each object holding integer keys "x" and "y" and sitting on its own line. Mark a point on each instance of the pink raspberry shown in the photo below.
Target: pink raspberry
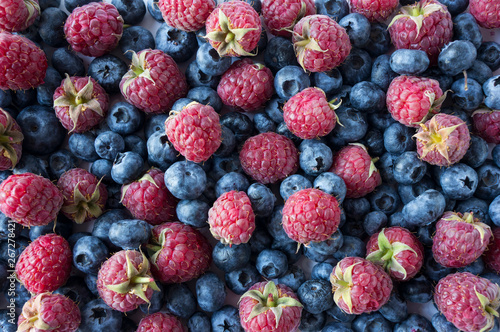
{"x": 186, "y": 15}
{"x": 280, "y": 16}
{"x": 374, "y": 10}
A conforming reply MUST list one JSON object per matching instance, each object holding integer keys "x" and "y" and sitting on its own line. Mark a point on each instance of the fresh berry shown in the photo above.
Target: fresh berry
{"x": 18, "y": 15}
{"x": 359, "y": 286}
{"x": 246, "y": 85}
{"x": 49, "y": 312}
{"x": 269, "y": 157}
{"x": 409, "y": 62}
{"x": 45, "y": 264}
{"x": 491, "y": 256}
{"x": 154, "y": 82}
{"x": 12, "y": 138}
{"x": 210, "y": 292}
{"x": 186, "y": 15}
{"x": 486, "y": 12}
{"x": 457, "y": 56}
{"x": 320, "y": 43}
{"x": 89, "y": 252}
{"x": 129, "y": 234}
{"x": 233, "y": 29}
{"x": 269, "y": 307}
{"x": 468, "y": 301}
{"x": 98, "y": 316}
{"x": 289, "y": 81}
{"x": 160, "y": 322}
{"x": 22, "y": 63}
{"x": 378, "y": 10}
{"x": 487, "y": 124}
{"x": 281, "y": 16}
{"x": 94, "y": 29}
{"x": 195, "y": 131}
{"x": 231, "y": 218}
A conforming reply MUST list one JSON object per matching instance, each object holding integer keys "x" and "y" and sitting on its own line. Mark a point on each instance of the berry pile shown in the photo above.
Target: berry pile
{"x": 274, "y": 165}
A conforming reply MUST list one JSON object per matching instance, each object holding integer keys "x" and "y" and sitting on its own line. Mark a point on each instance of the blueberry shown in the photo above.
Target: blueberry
{"x": 465, "y": 27}
{"x": 97, "y": 316}
{"x": 228, "y": 143}
{"x": 89, "y": 252}
{"x": 292, "y": 184}
{"x": 459, "y": 181}
{"x": 409, "y": 168}
{"x": 293, "y": 278}
{"x": 290, "y": 80}
{"x": 224, "y": 165}
{"x": 367, "y": 97}
{"x": 275, "y": 227}
{"x": 108, "y": 144}
{"x": 489, "y": 53}
{"x": 6, "y": 96}
{"x": 488, "y": 181}
{"x": 103, "y": 223}
{"x": 155, "y": 123}
{"x": 477, "y": 153}
{"x": 263, "y": 123}
{"x": 455, "y": 7}
{"x": 494, "y": 211}
{"x": 282, "y": 129}
{"x": 230, "y": 258}
{"x": 414, "y": 322}
{"x": 380, "y": 41}
{"x": 332, "y": 184}
{"x": 328, "y": 81}
{"x": 108, "y": 71}
{"x": 206, "y": 96}
{"x": 354, "y": 227}
{"x": 61, "y": 161}
{"x": 82, "y": 146}
{"x": 31, "y": 164}
{"x": 154, "y": 11}
{"x": 180, "y": 45}
{"x": 491, "y": 90}
{"x": 44, "y": 4}
{"x": 312, "y": 322}
{"x": 127, "y": 167}
{"x": 240, "y": 280}
{"x": 8, "y": 226}
{"x": 51, "y": 27}
{"x": 43, "y": 133}
{"x": 65, "y": 61}
{"x": 3, "y": 281}
{"x": 62, "y": 227}
{"x": 409, "y": 192}
{"x": 24, "y": 98}
{"x": 424, "y": 209}
{"x": 336, "y": 327}
{"x": 315, "y": 296}
{"x": 185, "y": 180}
{"x": 45, "y": 92}
{"x": 371, "y": 322}
{"x": 495, "y": 154}
{"x": 374, "y": 221}
{"x": 161, "y": 153}
{"x": 398, "y": 138}
{"x": 336, "y": 9}
{"x": 199, "y": 322}
{"x": 193, "y": 212}
{"x": 352, "y": 247}
{"x": 479, "y": 71}
{"x": 136, "y": 38}
{"x": 129, "y": 234}
{"x": 262, "y": 199}
{"x": 240, "y": 124}
{"x": 417, "y": 290}
{"x": 339, "y": 315}
{"x": 75, "y": 237}
{"x": 440, "y": 323}
{"x": 179, "y": 300}
{"x": 492, "y": 276}
{"x": 293, "y": 254}
{"x": 456, "y": 57}
{"x": 381, "y": 73}
{"x": 124, "y": 118}
{"x": 357, "y": 208}
{"x": 435, "y": 73}
{"x": 75, "y": 290}
{"x": 271, "y": 263}
{"x": 15, "y": 248}
{"x": 231, "y": 181}
{"x": 279, "y": 53}
{"x": 101, "y": 168}
{"x": 354, "y": 125}
{"x": 19, "y": 294}
{"x": 132, "y": 11}
{"x": 433, "y": 270}
{"x": 210, "y": 292}
{"x": 317, "y": 256}
{"x": 91, "y": 283}
{"x": 196, "y": 77}
{"x": 476, "y": 267}
{"x": 357, "y": 27}
{"x": 409, "y": 62}
{"x": 322, "y": 271}
{"x": 226, "y": 319}
{"x": 395, "y": 310}
{"x": 357, "y": 67}
{"x": 210, "y": 62}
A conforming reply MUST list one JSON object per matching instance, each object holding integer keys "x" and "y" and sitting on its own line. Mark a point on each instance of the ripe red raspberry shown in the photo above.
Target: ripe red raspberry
{"x": 486, "y": 12}
{"x": 29, "y": 199}
{"x": 18, "y": 15}
{"x": 355, "y": 166}
{"x": 460, "y": 239}
{"x": 246, "y": 85}
{"x": 320, "y": 43}
{"x": 359, "y": 286}
{"x": 154, "y": 82}
{"x": 487, "y": 124}
{"x": 186, "y": 15}
{"x": 160, "y": 322}
{"x": 231, "y": 218}
{"x": 11, "y": 137}
{"x": 22, "y": 63}
{"x": 124, "y": 281}
{"x": 398, "y": 251}
{"x": 269, "y": 157}
{"x": 269, "y": 307}
{"x": 309, "y": 115}
{"x": 195, "y": 131}
{"x": 148, "y": 198}
{"x": 181, "y": 253}
{"x": 45, "y": 264}
{"x": 84, "y": 195}
{"x": 492, "y": 254}
{"x": 412, "y": 100}
{"x": 80, "y": 103}
{"x": 280, "y": 16}
{"x": 468, "y": 301}
{"x": 49, "y": 312}
{"x": 310, "y": 215}
{"x": 426, "y": 26}
{"x": 233, "y": 28}
{"x": 374, "y": 10}
{"x": 94, "y": 29}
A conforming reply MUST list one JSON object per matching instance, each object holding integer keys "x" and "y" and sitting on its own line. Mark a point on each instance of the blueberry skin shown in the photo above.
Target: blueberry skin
{"x": 103, "y": 223}
{"x": 124, "y": 118}
{"x": 44, "y": 4}
{"x": 479, "y": 71}
{"x": 336, "y": 327}
{"x": 477, "y": 267}
{"x": 322, "y": 271}
{"x": 315, "y": 296}
{"x": 132, "y": 11}
{"x": 339, "y": 315}
{"x": 459, "y": 181}
{"x": 371, "y": 322}
{"x": 424, "y": 209}
{"x": 282, "y": 129}
{"x": 136, "y": 38}
{"x": 230, "y": 258}
{"x": 433, "y": 271}
{"x": 76, "y": 290}
{"x": 417, "y": 290}
{"x": 312, "y": 323}
{"x": 409, "y": 192}
{"x": 161, "y": 153}
{"x": 231, "y": 181}
{"x": 477, "y": 206}
{"x": 108, "y": 71}
{"x": 357, "y": 27}
{"x": 263, "y": 123}
{"x": 43, "y": 133}
{"x": 336, "y": 9}
{"x": 379, "y": 41}
{"x": 279, "y": 53}
{"x": 367, "y": 97}
{"x": 355, "y": 125}
{"x": 352, "y": 247}
{"x": 127, "y": 167}
{"x": 82, "y": 146}
{"x": 292, "y": 184}
{"x": 210, "y": 292}
{"x": 51, "y": 27}
{"x": 108, "y": 144}
{"x": 206, "y": 96}
{"x": 129, "y": 234}
{"x": 199, "y": 322}
{"x": 228, "y": 143}
{"x": 315, "y": 157}
{"x": 70, "y": 5}
{"x": 290, "y": 80}
{"x": 492, "y": 276}
{"x": 409, "y": 62}
{"x": 435, "y": 73}
{"x": 179, "y": 300}
{"x": 193, "y": 212}
{"x": 357, "y": 67}
{"x": 495, "y": 154}
{"x": 24, "y": 98}
{"x": 328, "y": 81}
{"x": 61, "y": 161}
{"x": 289, "y": 249}
{"x": 488, "y": 181}
{"x": 21, "y": 295}
{"x": 398, "y": 138}
{"x": 8, "y": 226}
{"x": 384, "y": 199}
{"x": 477, "y": 153}
{"x": 414, "y": 321}
{"x": 271, "y": 263}
{"x": 101, "y": 168}
{"x": 6, "y": 96}
{"x": 155, "y": 123}
{"x": 180, "y": 45}
{"x": 494, "y": 211}
{"x": 63, "y": 227}
{"x": 455, "y": 7}
{"x": 185, "y": 180}
{"x": 465, "y": 27}
{"x": 456, "y": 57}
{"x": 97, "y": 316}
{"x": 382, "y": 73}
{"x": 224, "y": 165}
{"x": 357, "y": 208}
{"x": 195, "y": 77}
{"x": 489, "y": 53}
{"x": 240, "y": 124}
{"x": 66, "y": 61}
{"x": 5, "y": 249}
{"x": 210, "y": 62}
{"x": 154, "y": 11}
{"x": 491, "y": 89}
{"x": 293, "y": 278}
{"x": 332, "y": 184}
{"x": 226, "y": 319}
{"x": 374, "y": 221}
{"x": 275, "y": 227}
{"x": 136, "y": 144}
{"x": 45, "y": 92}
{"x": 262, "y": 199}
{"x": 395, "y": 310}
{"x": 409, "y": 168}
{"x": 240, "y": 280}
{"x": 441, "y": 324}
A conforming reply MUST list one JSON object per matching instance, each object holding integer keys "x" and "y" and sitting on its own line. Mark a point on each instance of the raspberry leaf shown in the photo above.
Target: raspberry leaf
{"x": 84, "y": 205}
{"x": 417, "y": 13}
{"x": 304, "y": 42}
{"x": 489, "y": 308}
{"x": 342, "y": 284}
{"x": 138, "y": 68}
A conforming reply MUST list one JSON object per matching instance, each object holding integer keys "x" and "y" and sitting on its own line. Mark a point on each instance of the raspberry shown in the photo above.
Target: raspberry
{"x": 280, "y": 16}
{"x": 160, "y": 322}
{"x": 486, "y": 12}
{"x": 492, "y": 255}
{"x": 487, "y": 124}
{"x": 18, "y": 15}
{"x": 374, "y": 10}
{"x": 186, "y": 15}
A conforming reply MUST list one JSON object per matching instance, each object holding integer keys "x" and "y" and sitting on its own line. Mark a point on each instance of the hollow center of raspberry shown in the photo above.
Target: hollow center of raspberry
{"x": 436, "y": 138}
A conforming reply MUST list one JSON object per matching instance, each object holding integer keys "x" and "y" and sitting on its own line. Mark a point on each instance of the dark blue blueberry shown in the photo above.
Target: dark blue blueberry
{"x": 336, "y": 327}
{"x": 76, "y": 290}
{"x": 354, "y": 227}
{"x": 229, "y": 258}
{"x": 414, "y": 322}
{"x": 352, "y": 247}
{"x": 154, "y": 11}
{"x": 44, "y": 4}
{"x": 357, "y": 67}
{"x": 271, "y": 263}
{"x": 398, "y": 138}
{"x": 488, "y": 181}
{"x": 75, "y": 237}
{"x": 475, "y": 205}
{"x": 180, "y": 45}
{"x": 465, "y": 27}
{"x": 155, "y": 123}
{"x": 494, "y": 211}
{"x": 441, "y": 324}
{"x": 418, "y": 289}
{"x": 136, "y": 38}
{"x": 282, "y": 129}
{"x": 263, "y": 123}
{"x": 98, "y": 316}
{"x": 275, "y": 227}
{"x": 279, "y": 53}
{"x": 124, "y": 118}
{"x": 61, "y": 161}
{"x": 70, "y": 5}
{"x": 409, "y": 192}
{"x": 89, "y": 252}
{"x": 114, "y": 196}
{"x": 226, "y": 319}
{"x": 433, "y": 271}
{"x": 317, "y": 256}
{"x": 424, "y": 209}
{"x": 18, "y": 294}
{"x": 63, "y": 227}
{"x": 479, "y": 71}
{"x": 409, "y": 168}
{"x": 336, "y": 9}
{"x": 262, "y": 199}
{"x": 82, "y": 146}
{"x": 31, "y": 32}
{"x": 210, "y": 62}
{"x": 31, "y": 164}
{"x": 435, "y": 73}
{"x": 193, "y": 212}
{"x": 316, "y": 296}
{"x": 367, "y": 97}
{"x": 455, "y": 7}
{"x": 397, "y": 219}
{"x": 91, "y": 283}
{"x": 51, "y": 27}
{"x": 322, "y": 271}
{"x": 240, "y": 124}
{"x": 491, "y": 90}
{"x": 379, "y": 41}
{"x": 101, "y": 168}
{"x": 185, "y": 180}
{"x": 231, "y": 181}
{"x": 290, "y": 249}
{"x": 8, "y": 226}
{"x": 24, "y": 98}
{"x": 6, "y": 248}
{"x": 315, "y": 157}
{"x": 459, "y": 181}
{"x": 328, "y": 81}
{"x": 290, "y": 80}
{"x": 381, "y": 73}
{"x": 395, "y": 310}
{"x": 129, "y": 234}
{"x": 180, "y": 104}
{"x": 228, "y": 143}
{"x": 312, "y": 322}
{"x": 196, "y": 77}
{"x": 255, "y": 4}
{"x": 342, "y": 95}
{"x": 136, "y": 144}
{"x": 357, "y": 27}
{"x": 200, "y": 36}
{"x": 103, "y": 223}
{"x": 45, "y": 92}
{"x": 409, "y": 62}
{"x": 489, "y": 53}
{"x": 354, "y": 125}
{"x": 477, "y": 153}
{"x": 224, "y": 165}
{"x": 161, "y": 153}
{"x": 108, "y": 144}
{"x": 332, "y": 184}
{"x": 206, "y": 96}
{"x": 292, "y": 184}
{"x": 374, "y": 142}
{"x": 65, "y": 61}
{"x": 328, "y": 247}
{"x": 456, "y": 57}
{"x": 357, "y": 208}
{"x": 6, "y": 97}
{"x": 293, "y": 278}
{"x": 128, "y": 325}
{"x": 373, "y": 322}
{"x": 3, "y": 278}
{"x": 260, "y": 240}
{"x": 180, "y": 301}
{"x": 339, "y": 315}
{"x": 425, "y": 234}
{"x": 199, "y": 322}
{"x": 127, "y": 167}
{"x": 210, "y": 292}
{"x": 495, "y": 154}
{"x": 132, "y": 11}
{"x": 240, "y": 280}
{"x": 476, "y": 267}
{"x": 492, "y": 276}
{"x": 374, "y": 221}
{"x": 108, "y": 71}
